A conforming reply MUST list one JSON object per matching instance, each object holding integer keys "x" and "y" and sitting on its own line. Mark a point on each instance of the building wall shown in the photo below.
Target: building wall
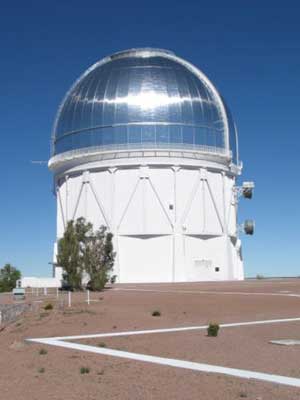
{"x": 35, "y": 282}
{"x": 170, "y": 222}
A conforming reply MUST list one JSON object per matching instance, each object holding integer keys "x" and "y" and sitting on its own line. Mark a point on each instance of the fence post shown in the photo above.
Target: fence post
{"x": 57, "y": 293}
{"x": 69, "y": 299}
{"x": 88, "y": 297}
{"x": 0, "y": 317}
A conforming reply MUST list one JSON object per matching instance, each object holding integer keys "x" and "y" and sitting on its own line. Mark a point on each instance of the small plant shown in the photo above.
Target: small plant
{"x": 156, "y": 313}
{"x": 48, "y": 307}
{"x": 84, "y": 370}
{"x": 43, "y": 352}
{"x": 213, "y": 330}
{"x": 41, "y": 370}
{"x": 101, "y": 344}
{"x": 113, "y": 279}
{"x": 243, "y": 395}
{"x": 259, "y": 276}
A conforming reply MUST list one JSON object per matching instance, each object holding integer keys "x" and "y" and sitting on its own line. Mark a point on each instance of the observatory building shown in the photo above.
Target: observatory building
{"x": 144, "y": 144}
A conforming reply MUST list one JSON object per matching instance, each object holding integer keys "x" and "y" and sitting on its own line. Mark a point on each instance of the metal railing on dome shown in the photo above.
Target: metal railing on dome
{"x": 219, "y": 151}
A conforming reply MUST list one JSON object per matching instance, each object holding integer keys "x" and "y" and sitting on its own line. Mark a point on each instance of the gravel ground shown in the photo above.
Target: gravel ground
{"x": 27, "y": 374}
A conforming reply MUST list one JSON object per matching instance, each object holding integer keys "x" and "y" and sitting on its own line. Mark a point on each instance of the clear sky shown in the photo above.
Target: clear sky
{"x": 249, "y": 49}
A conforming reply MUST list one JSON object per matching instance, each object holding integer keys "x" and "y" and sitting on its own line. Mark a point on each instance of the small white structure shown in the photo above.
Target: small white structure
{"x": 144, "y": 144}
{"x": 35, "y": 282}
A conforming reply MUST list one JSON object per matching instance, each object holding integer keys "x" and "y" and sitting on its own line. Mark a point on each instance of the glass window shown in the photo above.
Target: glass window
{"x": 188, "y": 134}
{"x": 162, "y": 134}
{"x": 219, "y": 139}
{"x": 96, "y": 137}
{"x": 211, "y": 137}
{"x": 134, "y": 134}
{"x": 200, "y": 136}
{"x": 120, "y": 135}
{"x": 148, "y": 134}
{"x": 107, "y": 136}
{"x": 175, "y": 134}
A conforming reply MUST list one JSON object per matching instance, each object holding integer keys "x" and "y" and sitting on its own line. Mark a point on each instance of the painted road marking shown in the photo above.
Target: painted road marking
{"x": 286, "y": 342}
{"x": 168, "y": 330}
{"x": 240, "y": 373}
{"x": 194, "y": 366}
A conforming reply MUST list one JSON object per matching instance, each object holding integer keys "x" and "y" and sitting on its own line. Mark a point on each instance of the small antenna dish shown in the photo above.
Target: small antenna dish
{"x": 249, "y": 225}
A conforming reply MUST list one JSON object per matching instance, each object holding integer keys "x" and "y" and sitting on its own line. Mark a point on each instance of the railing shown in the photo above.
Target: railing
{"x": 170, "y": 147}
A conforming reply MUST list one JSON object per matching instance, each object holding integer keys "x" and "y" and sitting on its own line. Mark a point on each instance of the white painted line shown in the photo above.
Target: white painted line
{"x": 240, "y": 373}
{"x": 286, "y": 342}
{"x": 167, "y": 330}
{"x": 208, "y": 292}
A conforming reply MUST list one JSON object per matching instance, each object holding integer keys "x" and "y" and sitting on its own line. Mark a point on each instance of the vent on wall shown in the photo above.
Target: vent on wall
{"x": 203, "y": 264}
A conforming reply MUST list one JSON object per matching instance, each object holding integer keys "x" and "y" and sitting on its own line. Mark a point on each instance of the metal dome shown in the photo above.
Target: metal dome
{"x": 143, "y": 98}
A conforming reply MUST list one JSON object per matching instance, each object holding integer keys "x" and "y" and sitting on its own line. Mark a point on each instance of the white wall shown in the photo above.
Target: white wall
{"x": 171, "y": 222}
{"x": 34, "y": 282}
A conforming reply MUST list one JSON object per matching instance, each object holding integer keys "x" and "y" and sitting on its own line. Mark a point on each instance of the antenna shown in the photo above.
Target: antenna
{"x": 39, "y": 162}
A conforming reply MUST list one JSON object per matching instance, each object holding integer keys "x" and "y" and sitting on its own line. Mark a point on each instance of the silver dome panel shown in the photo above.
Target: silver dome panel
{"x": 142, "y": 98}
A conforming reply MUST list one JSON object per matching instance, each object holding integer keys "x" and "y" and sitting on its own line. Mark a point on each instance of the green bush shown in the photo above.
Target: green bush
{"x": 41, "y": 370}
{"x": 84, "y": 370}
{"x": 213, "y": 329}
{"x": 101, "y": 344}
{"x": 8, "y": 278}
{"x": 48, "y": 307}
{"x": 43, "y": 352}
{"x": 156, "y": 313}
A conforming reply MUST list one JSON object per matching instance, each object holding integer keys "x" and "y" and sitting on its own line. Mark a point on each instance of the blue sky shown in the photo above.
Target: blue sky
{"x": 250, "y": 50}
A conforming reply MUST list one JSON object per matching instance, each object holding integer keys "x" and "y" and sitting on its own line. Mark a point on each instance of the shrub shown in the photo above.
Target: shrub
{"x": 213, "y": 329}
{"x": 84, "y": 370}
{"x": 48, "y": 307}
{"x": 9, "y": 276}
{"x": 259, "y": 276}
{"x": 41, "y": 370}
{"x": 156, "y": 313}
{"x": 43, "y": 352}
{"x": 101, "y": 344}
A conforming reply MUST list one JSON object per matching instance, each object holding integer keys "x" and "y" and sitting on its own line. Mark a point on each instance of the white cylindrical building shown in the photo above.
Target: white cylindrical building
{"x": 144, "y": 144}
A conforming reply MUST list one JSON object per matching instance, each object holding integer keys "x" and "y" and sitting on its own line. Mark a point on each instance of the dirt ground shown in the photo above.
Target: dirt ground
{"x": 55, "y": 375}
